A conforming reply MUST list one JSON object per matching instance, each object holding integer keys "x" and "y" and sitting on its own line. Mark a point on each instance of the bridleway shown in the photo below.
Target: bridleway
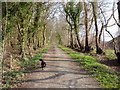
{"x": 61, "y": 72}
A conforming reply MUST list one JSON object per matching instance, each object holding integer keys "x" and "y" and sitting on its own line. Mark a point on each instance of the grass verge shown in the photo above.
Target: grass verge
{"x": 11, "y": 79}
{"x": 106, "y": 77}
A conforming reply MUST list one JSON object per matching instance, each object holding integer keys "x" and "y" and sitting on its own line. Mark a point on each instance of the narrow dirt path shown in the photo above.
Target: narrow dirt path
{"x": 61, "y": 72}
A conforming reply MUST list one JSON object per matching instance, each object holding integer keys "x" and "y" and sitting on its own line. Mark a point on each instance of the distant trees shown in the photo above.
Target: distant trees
{"x": 73, "y": 11}
{"x": 90, "y": 13}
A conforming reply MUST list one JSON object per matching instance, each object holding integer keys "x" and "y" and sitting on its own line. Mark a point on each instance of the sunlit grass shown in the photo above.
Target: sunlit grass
{"x": 110, "y": 54}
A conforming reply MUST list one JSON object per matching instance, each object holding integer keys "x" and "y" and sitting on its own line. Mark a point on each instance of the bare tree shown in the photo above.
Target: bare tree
{"x": 116, "y": 50}
{"x": 98, "y": 49}
{"x": 87, "y": 48}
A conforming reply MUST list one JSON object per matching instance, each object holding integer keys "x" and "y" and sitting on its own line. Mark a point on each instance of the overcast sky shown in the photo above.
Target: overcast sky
{"x": 113, "y": 29}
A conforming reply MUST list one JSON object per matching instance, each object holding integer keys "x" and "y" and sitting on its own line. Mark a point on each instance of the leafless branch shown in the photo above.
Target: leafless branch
{"x": 113, "y": 11}
{"x": 111, "y": 25}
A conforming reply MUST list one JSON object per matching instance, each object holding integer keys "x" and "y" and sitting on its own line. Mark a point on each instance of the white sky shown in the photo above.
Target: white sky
{"x": 114, "y": 29}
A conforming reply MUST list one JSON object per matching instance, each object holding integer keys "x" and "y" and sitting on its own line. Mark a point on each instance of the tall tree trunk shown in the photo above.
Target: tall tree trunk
{"x": 118, "y": 9}
{"x": 23, "y": 44}
{"x": 29, "y": 41}
{"x": 71, "y": 32}
{"x": 118, "y": 40}
{"x": 103, "y": 39}
{"x": 33, "y": 41}
{"x": 99, "y": 38}
{"x": 44, "y": 29}
{"x": 98, "y": 49}
{"x": 21, "y": 41}
{"x": 5, "y": 28}
{"x": 77, "y": 36}
{"x": 71, "y": 38}
{"x": 87, "y": 48}
{"x": 19, "y": 38}
{"x": 4, "y": 33}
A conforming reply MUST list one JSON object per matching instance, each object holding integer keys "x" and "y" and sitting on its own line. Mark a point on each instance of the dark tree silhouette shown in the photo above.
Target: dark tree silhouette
{"x": 118, "y": 53}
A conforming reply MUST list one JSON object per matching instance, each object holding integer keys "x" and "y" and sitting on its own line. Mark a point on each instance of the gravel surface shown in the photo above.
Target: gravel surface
{"x": 61, "y": 72}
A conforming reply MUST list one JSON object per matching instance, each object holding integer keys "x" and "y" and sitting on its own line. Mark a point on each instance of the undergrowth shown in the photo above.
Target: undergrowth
{"x": 106, "y": 77}
{"x": 10, "y": 79}
{"x": 110, "y": 54}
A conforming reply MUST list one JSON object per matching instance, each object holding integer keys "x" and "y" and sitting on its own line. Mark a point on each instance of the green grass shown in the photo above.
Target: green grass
{"x": 106, "y": 77}
{"x": 33, "y": 61}
{"x": 14, "y": 77}
{"x": 110, "y": 54}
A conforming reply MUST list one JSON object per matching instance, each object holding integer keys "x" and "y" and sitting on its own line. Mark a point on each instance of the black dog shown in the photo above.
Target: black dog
{"x": 43, "y": 64}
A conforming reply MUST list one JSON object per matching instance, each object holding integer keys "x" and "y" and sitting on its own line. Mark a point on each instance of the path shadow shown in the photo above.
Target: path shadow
{"x": 56, "y": 66}
{"x": 57, "y": 83}
{"x": 50, "y": 77}
{"x": 59, "y": 73}
{"x": 65, "y": 72}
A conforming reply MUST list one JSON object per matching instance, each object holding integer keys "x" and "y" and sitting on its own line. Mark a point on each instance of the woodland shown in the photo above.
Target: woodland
{"x": 29, "y": 28}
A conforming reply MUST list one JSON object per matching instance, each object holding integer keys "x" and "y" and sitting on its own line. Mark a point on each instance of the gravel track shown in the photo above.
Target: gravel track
{"x": 61, "y": 72}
